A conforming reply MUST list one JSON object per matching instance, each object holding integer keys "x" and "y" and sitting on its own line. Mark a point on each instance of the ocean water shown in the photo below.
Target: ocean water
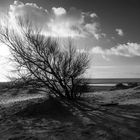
{"x": 111, "y": 81}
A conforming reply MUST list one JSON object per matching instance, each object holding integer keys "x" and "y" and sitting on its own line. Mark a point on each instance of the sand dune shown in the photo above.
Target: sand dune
{"x": 28, "y": 117}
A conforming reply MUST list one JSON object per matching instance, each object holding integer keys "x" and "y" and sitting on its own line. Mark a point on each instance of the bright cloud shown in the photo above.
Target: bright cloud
{"x": 93, "y": 15}
{"x": 126, "y": 50}
{"x": 59, "y": 11}
{"x": 57, "y": 21}
{"x": 92, "y": 29}
{"x": 119, "y": 32}
{"x": 30, "y": 11}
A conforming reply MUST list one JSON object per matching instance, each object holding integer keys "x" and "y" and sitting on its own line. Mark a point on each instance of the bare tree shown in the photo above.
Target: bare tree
{"x": 43, "y": 62}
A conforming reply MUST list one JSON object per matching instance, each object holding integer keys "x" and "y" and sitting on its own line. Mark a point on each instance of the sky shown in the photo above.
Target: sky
{"x": 109, "y": 30}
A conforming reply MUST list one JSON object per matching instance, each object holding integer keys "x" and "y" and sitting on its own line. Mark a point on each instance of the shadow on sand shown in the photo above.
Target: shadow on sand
{"x": 55, "y": 119}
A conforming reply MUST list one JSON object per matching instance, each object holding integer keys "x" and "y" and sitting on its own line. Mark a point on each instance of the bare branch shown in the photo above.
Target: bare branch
{"x": 43, "y": 60}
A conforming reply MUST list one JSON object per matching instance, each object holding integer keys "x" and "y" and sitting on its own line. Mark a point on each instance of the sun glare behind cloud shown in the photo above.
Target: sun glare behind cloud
{"x": 56, "y": 22}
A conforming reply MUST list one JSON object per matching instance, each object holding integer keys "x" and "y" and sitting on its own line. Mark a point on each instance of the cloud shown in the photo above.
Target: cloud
{"x": 92, "y": 15}
{"x": 58, "y": 21}
{"x": 59, "y": 11}
{"x": 126, "y": 50}
{"x": 92, "y": 29}
{"x": 119, "y": 32}
{"x": 30, "y": 11}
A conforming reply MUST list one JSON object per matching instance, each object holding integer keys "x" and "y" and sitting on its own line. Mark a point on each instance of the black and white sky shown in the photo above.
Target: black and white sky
{"x": 108, "y": 29}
